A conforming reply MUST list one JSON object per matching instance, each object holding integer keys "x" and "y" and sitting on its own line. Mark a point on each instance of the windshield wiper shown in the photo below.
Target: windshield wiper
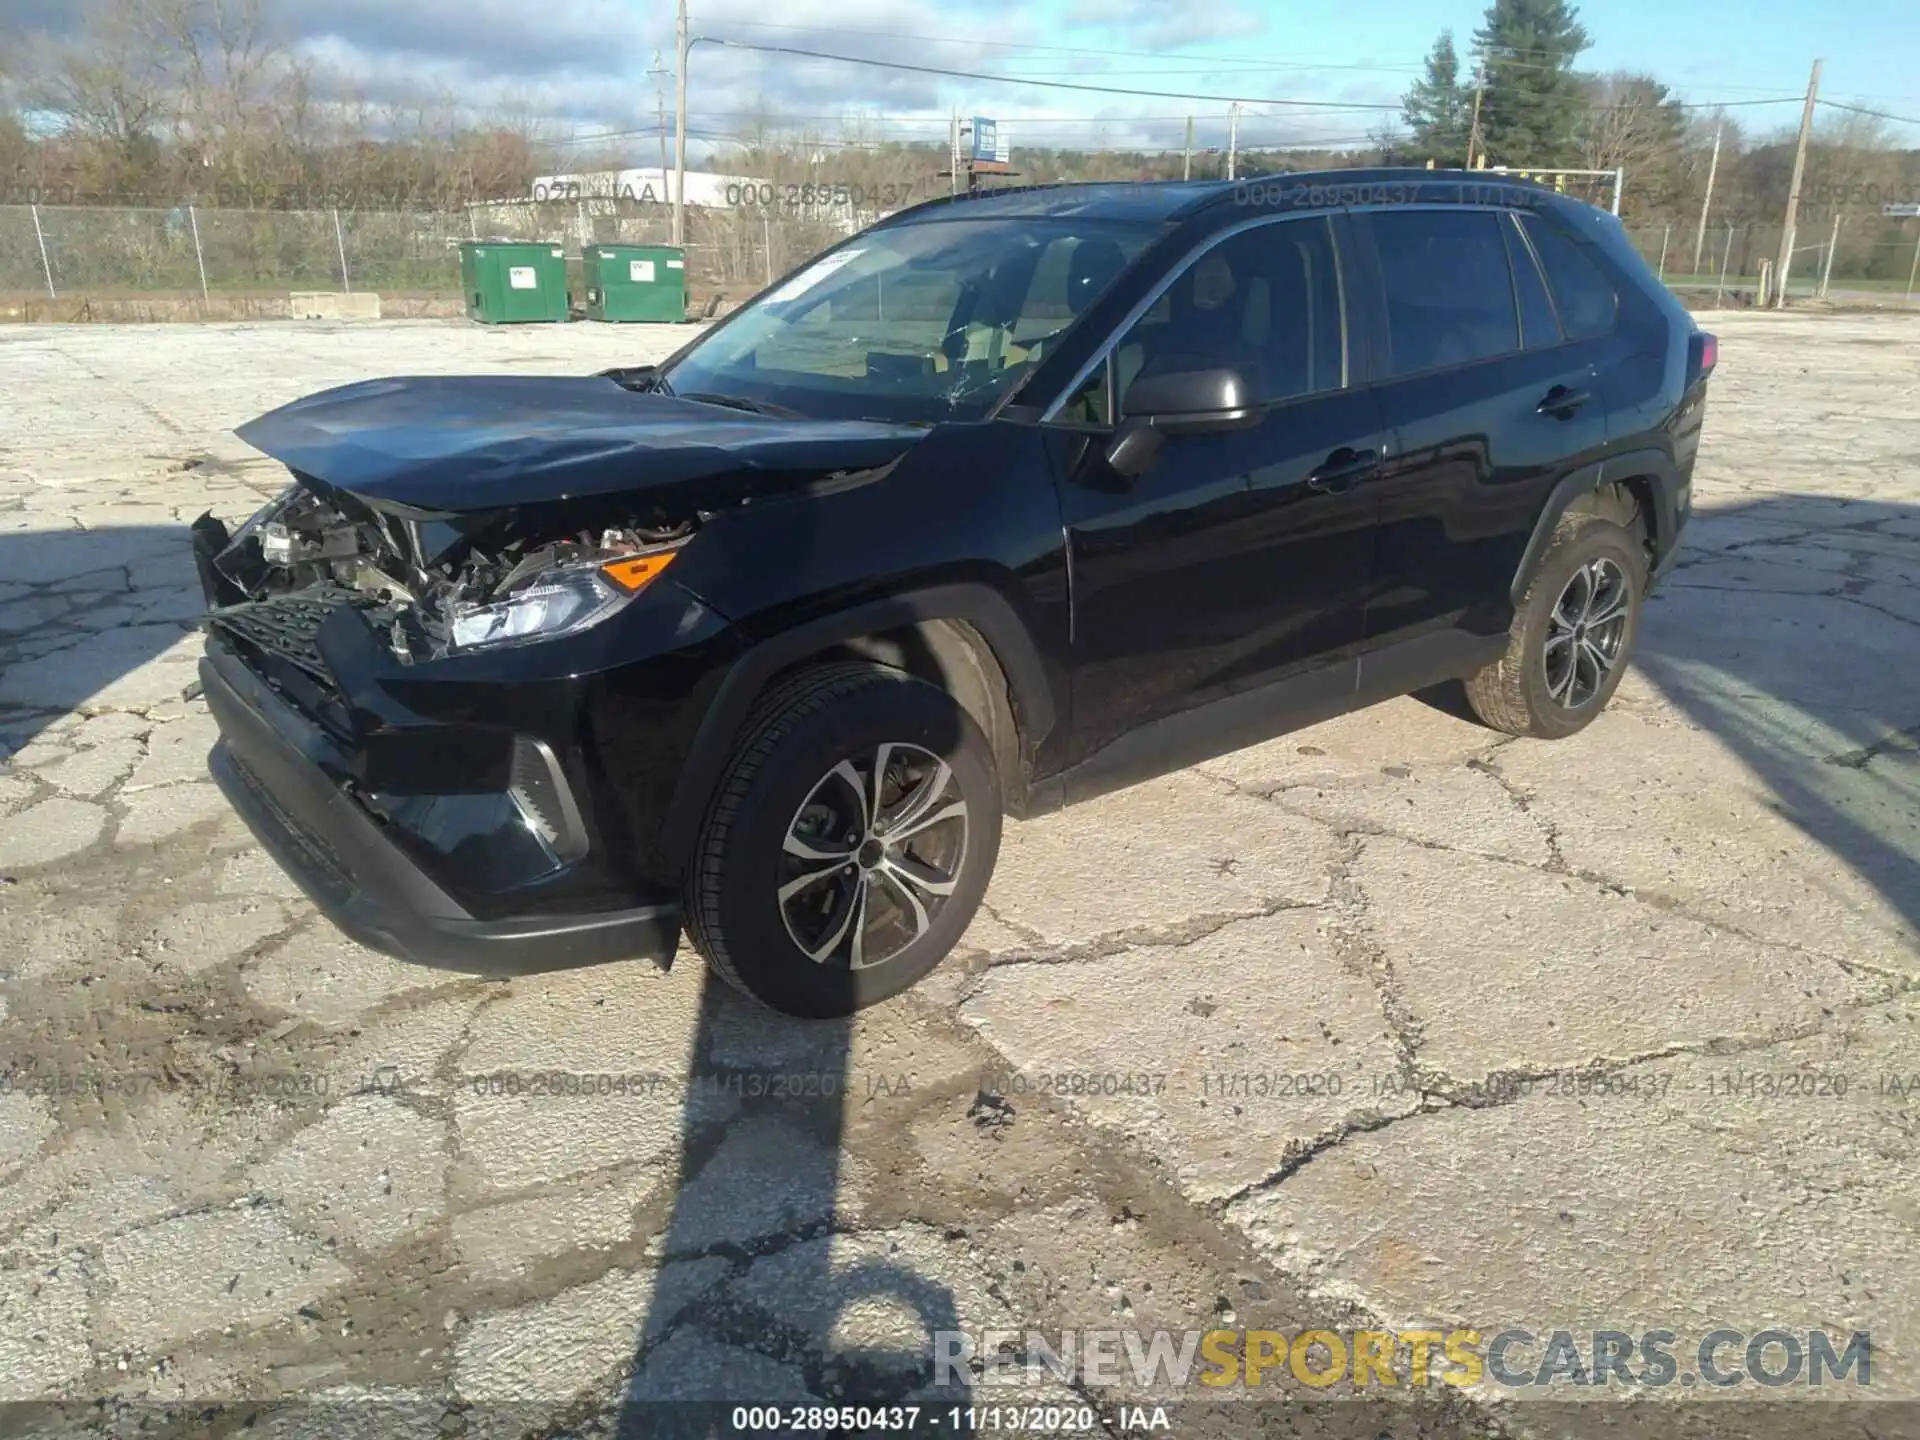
{"x": 740, "y": 402}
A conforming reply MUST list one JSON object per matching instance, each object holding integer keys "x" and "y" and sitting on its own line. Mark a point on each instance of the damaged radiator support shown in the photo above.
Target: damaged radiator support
{"x": 413, "y": 574}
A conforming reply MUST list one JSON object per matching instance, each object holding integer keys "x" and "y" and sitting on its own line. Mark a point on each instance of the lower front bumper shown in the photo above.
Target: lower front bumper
{"x": 367, "y": 885}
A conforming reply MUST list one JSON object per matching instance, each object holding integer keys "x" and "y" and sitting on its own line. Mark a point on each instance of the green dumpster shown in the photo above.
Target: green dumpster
{"x": 509, "y": 282}
{"x": 634, "y": 282}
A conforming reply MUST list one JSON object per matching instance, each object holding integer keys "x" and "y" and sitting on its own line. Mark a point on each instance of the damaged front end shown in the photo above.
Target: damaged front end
{"x": 424, "y": 822}
{"x": 430, "y": 584}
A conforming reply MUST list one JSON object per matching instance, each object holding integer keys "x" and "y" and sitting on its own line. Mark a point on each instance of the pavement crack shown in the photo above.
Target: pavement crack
{"x": 1523, "y": 802}
{"x": 1175, "y": 936}
{"x": 1905, "y": 741}
{"x": 1301, "y": 1153}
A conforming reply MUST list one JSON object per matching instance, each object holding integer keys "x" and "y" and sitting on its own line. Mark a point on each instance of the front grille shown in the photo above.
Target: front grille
{"x": 286, "y": 625}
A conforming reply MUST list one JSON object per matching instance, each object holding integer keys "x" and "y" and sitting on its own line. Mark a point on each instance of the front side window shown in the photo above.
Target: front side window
{"x": 1265, "y": 302}
{"x": 1449, "y": 293}
{"x": 1089, "y": 405}
{"x": 918, "y": 323}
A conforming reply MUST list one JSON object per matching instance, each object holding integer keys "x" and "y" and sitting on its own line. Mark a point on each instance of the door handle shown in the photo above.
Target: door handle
{"x": 1342, "y": 470}
{"x": 1560, "y": 401}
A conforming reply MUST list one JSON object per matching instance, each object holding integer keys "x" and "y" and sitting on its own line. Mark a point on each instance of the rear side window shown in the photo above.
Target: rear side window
{"x": 1449, "y": 292}
{"x": 1582, "y": 294}
{"x": 1538, "y": 327}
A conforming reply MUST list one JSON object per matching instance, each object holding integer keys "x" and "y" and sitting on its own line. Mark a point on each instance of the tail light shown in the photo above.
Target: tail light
{"x": 1703, "y": 353}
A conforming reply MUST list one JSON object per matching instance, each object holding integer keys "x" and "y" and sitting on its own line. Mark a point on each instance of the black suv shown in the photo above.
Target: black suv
{"x": 1005, "y": 502}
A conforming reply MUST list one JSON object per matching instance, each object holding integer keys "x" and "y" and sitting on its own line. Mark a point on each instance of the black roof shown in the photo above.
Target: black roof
{"x": 1151, "y": 200}
{"x": 1104, "y": 199}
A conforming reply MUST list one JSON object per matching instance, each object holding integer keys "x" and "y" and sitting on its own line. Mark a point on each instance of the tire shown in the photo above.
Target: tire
{"x": 1527, "y": 691}
{"x": 788, "y": 785}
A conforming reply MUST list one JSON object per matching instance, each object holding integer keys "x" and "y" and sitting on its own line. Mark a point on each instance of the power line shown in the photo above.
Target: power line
{"x": 1877, "y": 114}
{"x": 1039, "y": 84}
{"x": 1323, "y": 106}
{"x": 1261, "y": 61}
{"x": 1508, "y": 56}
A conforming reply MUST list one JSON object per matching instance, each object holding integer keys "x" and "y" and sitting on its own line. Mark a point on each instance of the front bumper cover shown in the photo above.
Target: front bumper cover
{"x": 266, "y": 762}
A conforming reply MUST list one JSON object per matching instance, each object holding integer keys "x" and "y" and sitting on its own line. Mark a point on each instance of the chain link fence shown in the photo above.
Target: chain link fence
{"x": 187, "y": 262}
{"x": 190, "y": 262}
{"x": 1866, "y": 261}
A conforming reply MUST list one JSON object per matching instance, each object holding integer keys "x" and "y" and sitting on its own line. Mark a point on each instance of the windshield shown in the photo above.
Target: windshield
{"x": 925, "y": 322}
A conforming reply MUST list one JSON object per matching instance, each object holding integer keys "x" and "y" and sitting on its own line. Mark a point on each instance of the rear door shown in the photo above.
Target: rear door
{"x": 1240, "y": 558}
{"x": 1490, "y": 404}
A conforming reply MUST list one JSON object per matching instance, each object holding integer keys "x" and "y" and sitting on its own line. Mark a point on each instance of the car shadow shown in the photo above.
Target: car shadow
{"x": 83, "y": 613}
{"x": 1809, "y": 675}
{"x": 1788, "y": 632}
{"x": 762, "y": 1204}
{"x": 772, "y": 1288}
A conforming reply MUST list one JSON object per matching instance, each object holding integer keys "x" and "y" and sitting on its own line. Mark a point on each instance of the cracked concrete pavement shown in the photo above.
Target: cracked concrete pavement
{"x": 1390, "y": 1021}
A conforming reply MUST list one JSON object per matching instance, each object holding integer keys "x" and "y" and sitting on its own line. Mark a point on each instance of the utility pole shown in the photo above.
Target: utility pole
{"x": 1713, "y": 168}
{"x": 1186, "y": 161}
{"x": 684, "y": 45}
{"x": 953, "y": 147}
{"x": 1479, "y": 93}
{"x": 1233, "y": 136}
{"x": 1826, "y": 261}
{"x": 1785, "y": 262}
{"x": 658, "y": 72}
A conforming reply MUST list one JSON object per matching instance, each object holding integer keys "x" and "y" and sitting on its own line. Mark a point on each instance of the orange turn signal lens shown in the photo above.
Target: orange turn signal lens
{"x": 637, "y": 570}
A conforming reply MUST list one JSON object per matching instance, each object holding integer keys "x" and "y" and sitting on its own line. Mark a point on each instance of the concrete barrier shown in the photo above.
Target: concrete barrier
{"x": 328, "y": 305}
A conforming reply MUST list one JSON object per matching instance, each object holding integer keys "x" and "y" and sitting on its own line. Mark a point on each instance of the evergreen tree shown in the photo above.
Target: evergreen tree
{"x": 1438, "y": 106}
{"x": 1532, "y": 110}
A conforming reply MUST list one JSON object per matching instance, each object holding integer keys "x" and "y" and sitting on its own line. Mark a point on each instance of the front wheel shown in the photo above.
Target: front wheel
{"x": 849, "y": 844}
{"x": 1572, "y": 634}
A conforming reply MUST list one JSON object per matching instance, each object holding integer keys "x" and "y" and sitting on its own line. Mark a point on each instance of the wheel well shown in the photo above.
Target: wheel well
{"x": 1628, "y": 503}
{"x": 952, "y": 656}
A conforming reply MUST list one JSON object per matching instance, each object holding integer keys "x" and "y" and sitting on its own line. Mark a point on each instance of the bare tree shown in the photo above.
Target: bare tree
{"x": 112, "y": 85}
{"x": 225, "y": 60}
{"x": 1631, "y": 122}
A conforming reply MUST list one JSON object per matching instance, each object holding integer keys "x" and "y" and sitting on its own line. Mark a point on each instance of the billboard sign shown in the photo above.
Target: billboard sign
{"x": 989, "y": 141}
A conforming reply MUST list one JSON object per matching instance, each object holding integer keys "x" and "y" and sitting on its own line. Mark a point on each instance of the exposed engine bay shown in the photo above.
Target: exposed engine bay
{"x": 430, "y": 583}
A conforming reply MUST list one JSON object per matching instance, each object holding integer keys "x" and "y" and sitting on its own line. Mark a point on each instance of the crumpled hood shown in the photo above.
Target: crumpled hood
{"x": 482, "y": 442}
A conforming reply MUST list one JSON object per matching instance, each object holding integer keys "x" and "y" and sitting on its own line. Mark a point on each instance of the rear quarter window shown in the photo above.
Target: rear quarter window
{"x": 1582, "y": 293}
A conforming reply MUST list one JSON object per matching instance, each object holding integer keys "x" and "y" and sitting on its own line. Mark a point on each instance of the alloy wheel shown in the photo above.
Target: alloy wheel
{"x": 872, "y": 856}
{"x": 1586, "y": 631}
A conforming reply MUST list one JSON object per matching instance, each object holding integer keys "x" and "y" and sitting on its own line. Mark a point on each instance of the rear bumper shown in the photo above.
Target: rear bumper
{"x": 364, "y": 883}
{"x": 1667, "y": 561}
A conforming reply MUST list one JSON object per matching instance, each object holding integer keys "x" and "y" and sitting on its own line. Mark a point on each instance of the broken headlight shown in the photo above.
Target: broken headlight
{"x": 563, "y": 601}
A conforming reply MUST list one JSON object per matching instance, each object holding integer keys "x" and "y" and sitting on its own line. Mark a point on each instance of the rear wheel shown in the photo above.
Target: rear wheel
{"x": 1572, "y": 634}
{"x": 849, "y": 843}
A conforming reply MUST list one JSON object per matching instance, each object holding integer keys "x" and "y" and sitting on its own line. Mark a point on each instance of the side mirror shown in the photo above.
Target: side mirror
{"x": 1193, "y": 402}
{"x": 1183, "y": 402}
{"x": 1134, "y": 448}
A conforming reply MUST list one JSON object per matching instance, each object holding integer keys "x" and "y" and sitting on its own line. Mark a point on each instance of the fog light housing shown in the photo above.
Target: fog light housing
{"x": 538, "y": 788}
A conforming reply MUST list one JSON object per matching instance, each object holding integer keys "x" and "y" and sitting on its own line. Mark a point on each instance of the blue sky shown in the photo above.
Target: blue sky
{"x": 1345, "y": 55}
{"x": 586, "y": 63}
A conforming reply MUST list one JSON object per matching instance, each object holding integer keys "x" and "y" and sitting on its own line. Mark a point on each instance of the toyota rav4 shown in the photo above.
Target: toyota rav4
{"x": 1005, "y": 502}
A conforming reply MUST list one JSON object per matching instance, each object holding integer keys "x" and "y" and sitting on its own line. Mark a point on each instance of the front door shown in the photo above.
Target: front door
{"x": 1239, "y": 560}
